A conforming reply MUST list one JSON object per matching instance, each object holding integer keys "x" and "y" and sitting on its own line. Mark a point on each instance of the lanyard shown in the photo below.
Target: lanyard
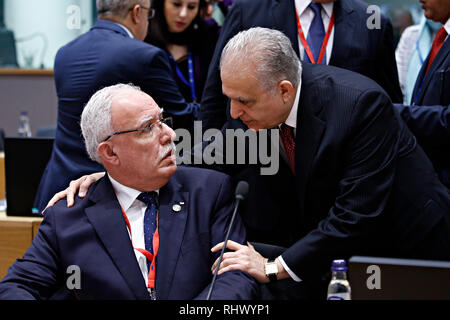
{"x": 419, "y": 53}
{"x": 324, "y": 43}
{"x": 150, "y": 257}
{"x": 180, "y": 75}
{"x": 416, "y": 98}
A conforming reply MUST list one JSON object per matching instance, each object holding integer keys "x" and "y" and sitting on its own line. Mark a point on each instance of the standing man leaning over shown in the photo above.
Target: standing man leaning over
{"x": 145, "y": 230}
{"x": 428, "y": 116}
{"x": 111, "y": 52}
{"x": 354, "y": 182}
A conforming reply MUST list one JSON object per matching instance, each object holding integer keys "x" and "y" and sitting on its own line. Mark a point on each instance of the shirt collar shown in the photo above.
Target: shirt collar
{"x": 447, "y": 27}
{"x": 301, "y": 5}
{"x": 292, "y": 117}
{"x": 125, "y": 195}
{"x": 125, "y": 28}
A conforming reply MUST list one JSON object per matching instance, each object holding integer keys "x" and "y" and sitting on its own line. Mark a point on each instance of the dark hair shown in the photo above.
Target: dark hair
{"x": 159, "y": 35}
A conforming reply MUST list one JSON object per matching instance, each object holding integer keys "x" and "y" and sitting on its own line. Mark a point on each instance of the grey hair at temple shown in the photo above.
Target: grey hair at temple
{"x": 96, "y": 117}
{"x": 266, "y": 51}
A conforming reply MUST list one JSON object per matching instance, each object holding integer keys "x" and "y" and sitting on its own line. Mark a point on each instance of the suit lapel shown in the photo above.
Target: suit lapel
{"x": 343, "y": 27}
{"x": 171, "y": 230}
{"x": 310, "y": 130}
{"x": 107, "y": 219}
{"x": 283, "y": 12}
{"x": 438, "y": 61}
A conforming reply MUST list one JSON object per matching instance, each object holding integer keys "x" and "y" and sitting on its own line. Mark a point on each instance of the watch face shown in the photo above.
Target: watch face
{"x": 271, "y": 268}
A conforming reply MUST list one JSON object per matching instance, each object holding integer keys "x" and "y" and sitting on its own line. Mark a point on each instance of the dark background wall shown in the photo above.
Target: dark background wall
{"x": 34, "y": 93}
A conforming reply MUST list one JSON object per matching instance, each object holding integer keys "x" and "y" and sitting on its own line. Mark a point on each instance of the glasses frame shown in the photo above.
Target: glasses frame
{"x": 147, "y": 128}
{"x": 151, "y": 11}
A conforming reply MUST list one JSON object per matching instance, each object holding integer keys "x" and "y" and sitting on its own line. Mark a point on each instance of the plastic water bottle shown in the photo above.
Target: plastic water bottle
{"x": 339, "y": 288}
{"x": 24, "y": 125}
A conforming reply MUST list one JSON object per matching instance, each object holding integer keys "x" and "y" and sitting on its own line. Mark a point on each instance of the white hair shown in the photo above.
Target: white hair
{"x": 268, "y": 52}
{"x": 117, "y": 8}
{"x": 96, "y": 117}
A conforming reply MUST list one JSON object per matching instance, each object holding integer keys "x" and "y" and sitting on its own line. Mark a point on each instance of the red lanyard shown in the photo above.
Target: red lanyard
{"x": 150, "y": 257}
{"x": 324, "y": 43}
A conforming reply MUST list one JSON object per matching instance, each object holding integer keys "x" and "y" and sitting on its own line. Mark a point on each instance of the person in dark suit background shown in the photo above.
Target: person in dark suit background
{"x": 351, "y": 44}
{"x": 108, "y": 234}
{"x": 354, "y": 181}
{"x": 111, "y": 52}
{"x": 428, "y": 116}
{"x": 189, "y": 40}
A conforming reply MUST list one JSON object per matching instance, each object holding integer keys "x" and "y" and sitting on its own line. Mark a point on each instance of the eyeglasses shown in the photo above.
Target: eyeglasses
{"x": 151, "y": 12}
{"x": 148, "y": 129}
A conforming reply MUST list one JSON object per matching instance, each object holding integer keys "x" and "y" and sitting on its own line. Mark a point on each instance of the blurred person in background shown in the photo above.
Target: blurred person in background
{"x": 111, "y": 52}
{"x": 180, "y": 29}
{"x": 412, "y": 49}
{"x": 401, "y": 19}
{"x": 428, "y": 114}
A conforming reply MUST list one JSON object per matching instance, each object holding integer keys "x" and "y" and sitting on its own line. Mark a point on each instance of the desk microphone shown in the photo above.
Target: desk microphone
{"x": 239, "y": 194}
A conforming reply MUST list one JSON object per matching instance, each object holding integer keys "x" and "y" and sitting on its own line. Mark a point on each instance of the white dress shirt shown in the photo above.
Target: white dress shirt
{"x": 306, "y": 16}
{"x": 134, "y": 210}
{"x": 292, "y": 122}
{"x": 447, "y": 28}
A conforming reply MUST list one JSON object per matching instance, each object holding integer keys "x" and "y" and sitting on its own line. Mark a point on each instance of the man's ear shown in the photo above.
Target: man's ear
{"x": 106, "y": 152}
{"x": 286, "y": 90}
{"x": 134, "y": 13}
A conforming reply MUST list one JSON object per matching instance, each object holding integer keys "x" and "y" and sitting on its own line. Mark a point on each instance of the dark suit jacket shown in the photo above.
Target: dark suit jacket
{"x": 93, "y": 236}
{"x": 355, "y": 47}
{"x": 362, "y": 185}
{"x": 429, "y": 118}
{"x": 104, "y": 56}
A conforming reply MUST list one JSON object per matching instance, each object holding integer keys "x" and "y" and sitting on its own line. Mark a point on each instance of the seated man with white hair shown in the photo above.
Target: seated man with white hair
{"x": 145, "y": 230}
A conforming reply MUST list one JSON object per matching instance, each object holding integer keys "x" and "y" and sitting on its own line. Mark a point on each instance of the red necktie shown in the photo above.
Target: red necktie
{"x": 287, "y": 137}
{"x": 437, "y": 44}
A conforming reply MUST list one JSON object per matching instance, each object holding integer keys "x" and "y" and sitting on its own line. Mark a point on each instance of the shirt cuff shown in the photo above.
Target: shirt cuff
{"x": 289, "y": 271}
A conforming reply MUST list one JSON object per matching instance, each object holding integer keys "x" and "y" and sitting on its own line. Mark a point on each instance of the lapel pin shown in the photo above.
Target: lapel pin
{"x": 176, "y": 208}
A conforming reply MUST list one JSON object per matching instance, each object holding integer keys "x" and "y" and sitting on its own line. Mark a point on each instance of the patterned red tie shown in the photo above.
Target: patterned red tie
{"x": 437, "y": 44}
{"x": 287, "y": 137}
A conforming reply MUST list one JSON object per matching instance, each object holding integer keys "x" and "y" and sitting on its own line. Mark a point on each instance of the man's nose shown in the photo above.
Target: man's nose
{"x": 167, "y": 134}
{"x": 235, "y": 110}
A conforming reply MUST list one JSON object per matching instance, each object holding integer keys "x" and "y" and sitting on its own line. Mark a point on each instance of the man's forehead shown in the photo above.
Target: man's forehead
{"x": 134, "y": 105}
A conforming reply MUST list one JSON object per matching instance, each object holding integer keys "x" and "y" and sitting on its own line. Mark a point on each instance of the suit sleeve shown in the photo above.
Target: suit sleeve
{"x": 37, "y": 275}
{"x": 369, "y": 156}
{"x": 158, "y": 82}
{"x": 213, "y": 110}
{"x": 428, "y": 123}
{"x": 387, "y": 74}
{"x": 232, "y": 285}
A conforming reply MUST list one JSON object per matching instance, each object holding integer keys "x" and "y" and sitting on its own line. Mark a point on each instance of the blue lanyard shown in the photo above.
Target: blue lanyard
{"x": 180, "y": 75}
{"x": 416, "y": 98}
{"x": 419, "y": 53}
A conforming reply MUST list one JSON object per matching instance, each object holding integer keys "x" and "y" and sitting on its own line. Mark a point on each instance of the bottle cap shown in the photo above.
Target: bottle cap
{"x": 339, "y": 266}
{"x": 23, "y": 112}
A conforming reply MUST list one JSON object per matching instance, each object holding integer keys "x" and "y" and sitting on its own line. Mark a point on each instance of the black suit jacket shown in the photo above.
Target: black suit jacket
{"x": 362, "y": 184}
{"x": 428, "y": 117}
{"x": 355, "y": 47}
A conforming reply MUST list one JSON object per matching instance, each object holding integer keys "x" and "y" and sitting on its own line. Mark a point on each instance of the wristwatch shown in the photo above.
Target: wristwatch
{"x": 271, "y": 270}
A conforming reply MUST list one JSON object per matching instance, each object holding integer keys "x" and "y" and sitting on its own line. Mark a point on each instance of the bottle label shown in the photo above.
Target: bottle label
{"x": 339, "y": 296}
